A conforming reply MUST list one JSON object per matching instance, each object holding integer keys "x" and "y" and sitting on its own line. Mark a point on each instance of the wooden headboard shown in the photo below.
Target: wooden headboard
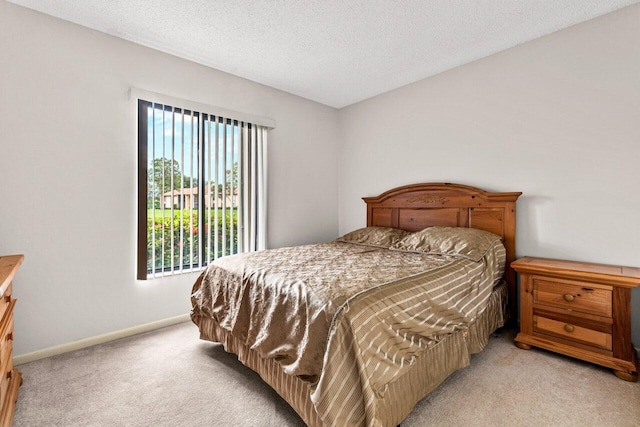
{"x": 418, "y": 206}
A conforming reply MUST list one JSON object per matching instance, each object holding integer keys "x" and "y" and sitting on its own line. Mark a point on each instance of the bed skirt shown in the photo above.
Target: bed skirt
{"x": 430, "y": 369}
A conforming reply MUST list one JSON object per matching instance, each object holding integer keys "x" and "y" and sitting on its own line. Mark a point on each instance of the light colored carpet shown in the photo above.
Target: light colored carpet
{"x": 169, "y": 377}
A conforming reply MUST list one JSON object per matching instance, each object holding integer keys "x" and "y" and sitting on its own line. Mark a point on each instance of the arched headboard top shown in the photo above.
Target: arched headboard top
{"x": 456, "y": 190}
{"x": 418, "y": 206}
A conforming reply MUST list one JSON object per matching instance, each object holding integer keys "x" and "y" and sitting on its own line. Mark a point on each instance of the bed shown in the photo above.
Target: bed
{"x": 357, "y": 331}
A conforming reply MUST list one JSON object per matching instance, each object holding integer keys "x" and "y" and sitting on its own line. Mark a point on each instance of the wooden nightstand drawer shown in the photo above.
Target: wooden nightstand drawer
{"x": 577, "y": 296}
{"x": 572, "y": 332}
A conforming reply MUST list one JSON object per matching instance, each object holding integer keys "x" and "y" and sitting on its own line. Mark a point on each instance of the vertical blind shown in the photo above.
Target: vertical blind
{"x": 202, "y": 184}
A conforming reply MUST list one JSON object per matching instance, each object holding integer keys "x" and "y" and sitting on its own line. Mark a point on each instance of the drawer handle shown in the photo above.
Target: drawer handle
{"x": 9, "y": 375}
{"x": 10, "y": 336}
{"x": 7, "y": 299}
{"x": 569, "y": 328}
{"x": 569, "y": 297}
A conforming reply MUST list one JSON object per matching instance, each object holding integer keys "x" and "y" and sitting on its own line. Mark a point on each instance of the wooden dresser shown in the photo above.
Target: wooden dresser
{"x": 579, "y": 309}
{"x": 11, "y": 378}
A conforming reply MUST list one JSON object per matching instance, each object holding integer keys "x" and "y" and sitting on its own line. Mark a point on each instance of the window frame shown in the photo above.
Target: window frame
{"x": 145, "y": 100}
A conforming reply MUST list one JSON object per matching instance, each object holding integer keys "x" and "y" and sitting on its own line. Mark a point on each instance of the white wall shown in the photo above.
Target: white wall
{"x": 557, "y": 118}
{"x": 68, "y": 173}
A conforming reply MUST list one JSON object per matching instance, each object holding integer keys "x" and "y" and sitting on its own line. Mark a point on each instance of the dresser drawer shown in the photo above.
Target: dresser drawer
{"x": 6, "y": 380}
{"x": 5, "y": 301}
{"x": 10, "y": 378}
{"x": 572, "y": 332}
{"x": 577, "y": 296}
{"x": 6, "y": 340}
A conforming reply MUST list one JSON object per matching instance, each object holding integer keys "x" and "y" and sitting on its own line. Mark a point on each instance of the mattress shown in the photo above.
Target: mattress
{"x": 430, "y": 369}
{"x": 341, "y": 327}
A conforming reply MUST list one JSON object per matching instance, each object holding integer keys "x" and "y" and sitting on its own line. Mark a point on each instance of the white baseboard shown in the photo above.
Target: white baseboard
{"x": 99, "y": 339}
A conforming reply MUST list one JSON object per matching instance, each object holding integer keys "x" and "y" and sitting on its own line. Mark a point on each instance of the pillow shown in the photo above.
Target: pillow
{"x": 469, "y": 243}
{"x": 383, "y": 237}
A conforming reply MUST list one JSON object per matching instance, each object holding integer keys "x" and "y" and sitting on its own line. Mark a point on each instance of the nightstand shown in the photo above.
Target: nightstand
{"x": 579, "y": 309}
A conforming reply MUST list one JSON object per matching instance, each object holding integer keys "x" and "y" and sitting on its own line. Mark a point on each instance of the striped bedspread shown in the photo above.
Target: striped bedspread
{"x": 348, "y": 319}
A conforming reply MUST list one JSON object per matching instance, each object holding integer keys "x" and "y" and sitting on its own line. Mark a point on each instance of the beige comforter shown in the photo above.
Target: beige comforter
{"x": 349, "y": 319}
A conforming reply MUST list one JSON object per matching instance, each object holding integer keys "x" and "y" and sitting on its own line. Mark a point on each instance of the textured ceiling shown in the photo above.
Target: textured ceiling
{"x": 333, "y": 52}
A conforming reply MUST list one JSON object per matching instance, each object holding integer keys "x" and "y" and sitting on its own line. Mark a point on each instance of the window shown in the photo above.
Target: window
{"x": 201, "y": 188}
